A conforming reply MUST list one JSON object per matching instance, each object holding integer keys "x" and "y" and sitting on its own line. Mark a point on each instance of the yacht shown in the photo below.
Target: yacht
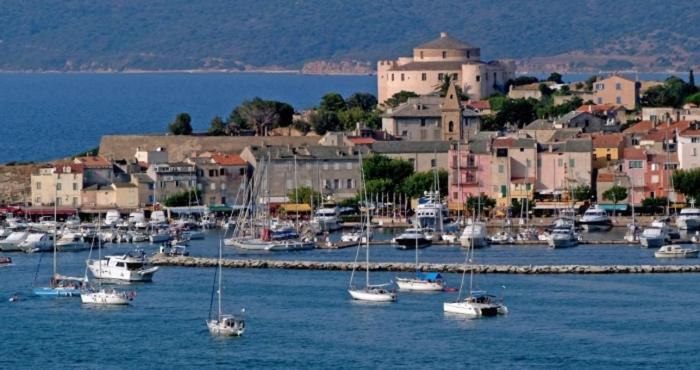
{"x": 373, "y": 293}
{"x": 37, "y": 242}
{"x": 70, "y": 242}
{"x": 327, "y": 219}
{"x": 283, "y": 245}
{"x": 431, "y": 213}
{"x": 12, "y": 242}
{"x": 159, "y": 236}
{"x": 689, "y": 219}
{"x": 676, "y": 251}
{"x": 502, "y": 236}
{"x": 474, "y": 235}
{"x": 562, "y": 237}
{"x": 138, "y": 220}
{"x": 595, "y": 219}
{"x": 127, "y": 267}
{"x": 412, "y": 238}
{"x": 656, "y": 235}
{"x": 354, "y": 236}
{"x": 478, "y": 304}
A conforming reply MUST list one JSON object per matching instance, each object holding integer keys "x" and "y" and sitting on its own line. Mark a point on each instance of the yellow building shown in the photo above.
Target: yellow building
{"x": 607, "y": 149}
{"x": 116, "y": 195}
{"x": 443, "y": 57}
{"x": 62, "y": 182}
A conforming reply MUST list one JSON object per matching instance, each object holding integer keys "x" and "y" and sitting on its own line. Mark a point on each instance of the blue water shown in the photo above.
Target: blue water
{"x": 306, "y": 318}
{"x": 46, "y": 116}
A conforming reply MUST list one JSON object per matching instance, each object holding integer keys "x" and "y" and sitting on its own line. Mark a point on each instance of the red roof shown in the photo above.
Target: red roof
{"x": 503, "y": 142}
{"x": 607, "y": 140}
{"x": 479, "y": 104}
{"x": 228, "y": 159}
{"x": 634, "y": 154}
{"x": 599, "y": 108}
{"x": 93, "y": 162}
{"x": 640, "y": 127}
{"x": 74, "y": 167}
{"x": 361, "y": 140}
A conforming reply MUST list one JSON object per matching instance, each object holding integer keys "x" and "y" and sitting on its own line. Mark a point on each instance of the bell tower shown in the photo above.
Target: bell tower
{"x": 451, "y": 115}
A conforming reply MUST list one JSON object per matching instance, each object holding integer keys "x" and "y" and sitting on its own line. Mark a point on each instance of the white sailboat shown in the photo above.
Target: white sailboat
{"x": 368, "y": 293}
{"x": 223, "y": 324}
{"x": 477, "y": 303}
{"x": 422, "y": 281}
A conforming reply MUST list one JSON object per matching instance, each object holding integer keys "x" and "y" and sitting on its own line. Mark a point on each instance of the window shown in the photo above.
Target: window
{"x": 528, "y": 186}
{"x": 38, "y": 200}
{"x": 654, "y": 167}
{"x": 348, "y": 166}
{"x": 528, "y": 163}
{"x": 618, "y": 86}
{"x": 336, "y": 166}
{"x": 404, "y": 133}
{"x": 440, "y": 76}
{"x": 223, "y": 186}
{"x": 421, "y": 54}
{"x": 494, "y": 77}
{"x": 392, "y": 77}
{"x": 75, "y": 201}
{"x": 500, "y": 168}
{"x": 402, "y": 77}
{"x": 454, "y": 195}
{"x": 423, "y": 76}
{"x": 478, "y": 78}
{"x": 572, "y": 162}
{"x": 336, "y": 184}
{"x": 422, "y": 122}
{"x": 451, "y": 126}
{"x": 177, "y": 183}
{"x": 433, "y": 163}
{"x": 560, "y": 162}
{"x": 454, "y": 77}
{"x": 222, "y": 172}
{"x": 635, "y": 164}
{"x": 58, "y": 201}
{"x": 212, "y": 200}
{"x": 75, "y": 186}
{"x": 325, "y": 166}
{"x": 241, "y": 171}
{"x": 695, "y": 152}
{"x": 595, "y": 156}
{"x": 503, "y": 191}
{"x": 468, "y": 54}
{"x": 444, "y": 54}
{"x": 600, "y": 86}
{"x": 600, "y": 100}
{"x": 38, "y": 186}
{"x": 654, "y": 179}
{"x": 522, "y": 150}
{"x": 608, "y": 157}
{"x": 618, "y": 100}
{"x": 423, "y": 134}
{"x": 58, "y": 186}
{"x": 348, "y": 184}
{"x": 212, "y": 186}
{"x": 212, "y": 173}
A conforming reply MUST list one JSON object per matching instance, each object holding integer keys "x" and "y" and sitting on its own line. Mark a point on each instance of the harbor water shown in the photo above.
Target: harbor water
{"x": 306, "y": 318}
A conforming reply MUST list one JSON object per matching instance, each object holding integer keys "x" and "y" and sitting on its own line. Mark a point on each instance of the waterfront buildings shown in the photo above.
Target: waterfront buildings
{"x": 435, "y": 60}
{"x": 219, "y": 176}
{"x": 617, "y": 90}
{"x": 60, "y": 183}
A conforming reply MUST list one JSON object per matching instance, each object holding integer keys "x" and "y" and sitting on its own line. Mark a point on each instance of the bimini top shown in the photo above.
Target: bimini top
{"x": 429, "y": 275}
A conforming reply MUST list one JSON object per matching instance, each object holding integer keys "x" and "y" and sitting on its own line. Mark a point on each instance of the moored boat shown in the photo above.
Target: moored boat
{"x": 412, "y": 238}
{"x": 676, "y": 251}
{"x": 127, "y": 267}
{"x": 595, "y": 219}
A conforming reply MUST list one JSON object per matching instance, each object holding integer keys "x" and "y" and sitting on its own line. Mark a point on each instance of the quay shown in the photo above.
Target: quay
{"x": 343, "y": 245}
{"x": 435, "y": 267}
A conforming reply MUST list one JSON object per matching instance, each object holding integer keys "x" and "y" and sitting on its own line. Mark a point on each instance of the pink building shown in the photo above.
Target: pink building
{"x": 470, "y": 170}
{"x": 634, "y": 166}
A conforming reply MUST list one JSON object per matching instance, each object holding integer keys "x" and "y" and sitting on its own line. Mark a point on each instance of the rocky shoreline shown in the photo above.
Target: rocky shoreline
{"x": 435, "y": 267}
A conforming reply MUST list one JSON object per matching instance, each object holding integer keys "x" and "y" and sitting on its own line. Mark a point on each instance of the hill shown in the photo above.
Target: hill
{"x": 74, "y": 35}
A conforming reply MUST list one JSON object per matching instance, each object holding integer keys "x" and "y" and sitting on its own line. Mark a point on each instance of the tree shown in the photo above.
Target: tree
{"x": 672, "y": 93}
{"x": 652, "y": 205}
{"x": 687, "y": 182}
{"x": 524, "y": 80}
{"x": 365, "y": 101}
{"x": 351, "y": 116}
{"x": 303, "y": 194}
{"x": 519, "y": 112}
{"x": 555, "y": 77}
{"x": 323, "y": 121}
{"x": 217, "y": 127}
{"x": 548, "y": 110}
{"x": 520, "y": 205}
{"x": 416, "y": 184}
{"x": 379, "y": 186}
{"x": 482, "y": 201}
{"x": 691, "y": 81}
{"x": 615, "y": 194}
{"x": 582, "y": 193}
{"x": 444, "y": 85}
{"x": 399, "y": 98}
{"x": 393, "y": 170}
{"x": 694, "y": 98}
{"x": 183, "y": 198}
{"x": 332, "y": 102}
{"x": 181, "y": 125}
{"x": 263, "y": 115}
{"x": 590, "y": 81}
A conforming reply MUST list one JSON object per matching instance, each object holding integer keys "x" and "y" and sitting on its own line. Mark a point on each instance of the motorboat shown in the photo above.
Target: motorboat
{"x": 595, "y": 219}
{"x": 688, "y": 219}
{"x": 423, "y": 281}
{"x": 527, "y": 234}
{"x": 112, "y": 218}
{"x": 449, "y": 237}
{"x": 373, "y": 293}
{"x": 71, "y": 242}
{"x": 431, "y": 213}
{"x": 354, "y": 237}
{"x": 158, "y": 218}
{"x": 478, "y": 304}
{"x": 127, "y": 267}
{"x": 676, "y": 251}
{"x": 286, "y": 245}
{"x": 106, "y": 296}
{"x": 193, "y": 234}
{"x": 159, "y": 236}
{"x": 474, "y": 235}
{"x": 176, "y": 250}
{"x": 13, "y": 241}
{"x": 501, "y": 237}
{"x": 412, "y": 238}
{"x": 562, "y": 237}
{"x": 207, "y": 222}
{"x": 656, "y": 235}
{"x": 138, "y": 220}
{"x": 37, "y": 242}
{"x": 327, "y": 219}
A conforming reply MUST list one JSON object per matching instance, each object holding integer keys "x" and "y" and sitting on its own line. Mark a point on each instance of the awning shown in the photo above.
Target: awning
{"x": 614, "y": 207}
{"x": 429, "y": 275}
{"x": 48, "y": 211}
{"x": 220, "y": 208}
{"x": 295, "y": 207}
{"x": 556, "y": 205}
{"x": 188, "y": 210}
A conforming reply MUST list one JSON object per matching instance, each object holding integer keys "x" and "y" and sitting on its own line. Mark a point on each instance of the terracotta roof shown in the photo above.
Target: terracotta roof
{"x": 599, "y": 108}
{"x": 93, "y": 162}
{"x": 665, "y": 131}
{"x": 607, "y": 141}
{"x": 503, "y": 142}
{"x": 444, "y": 42}
{"x": 361, "y": 140}
{"x": 228, "y": 159}
{"x": 479, "y": 104}
{"x": 634, "y": 154}
{"x": 74, "y": 167}
{"x": 639, "y": 127}
{"x": 690, "y": 132}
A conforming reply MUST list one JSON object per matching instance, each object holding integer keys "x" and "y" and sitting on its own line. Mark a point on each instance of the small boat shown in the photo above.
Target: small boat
{"x": 595, "y": 219}
{"x": 449, "y": 237}
{"x": 71, "y": 242}
{"x": 501, "y": 237}
{"x": 656, "y": 235}
{"x": 159, "y": 236}
{"x": 423, "y": 281}
{"x": 5, "y": 261}
{"x": 61, "y": 286}
{"x": 176, "y": 250}
{"x": 193, "y": 234}
{"x": 12, "y": 242}
{"x": 474, "y": 235}
{"x": 562, "y": 237}
{"x": 412, "y": 238}
{"x": 373, "y": 293}
{"x": 327, "y": 219}
{"x": 37, "y": 242}
{"x": 353, "y": 237}
{"x": 676, "y": 251}
{"x": 478, "y": 304}
{"x": 106, "y": 296}
{"x": 689, "y": 219}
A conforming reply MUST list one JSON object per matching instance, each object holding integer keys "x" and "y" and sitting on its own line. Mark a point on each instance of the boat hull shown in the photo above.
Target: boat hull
{"x": 596, "y": 226}
{"x": 372, "y": 296}
{"x": 272, "y": 246}
{"x": 420, "y": 285}
{"x": 475, "y": 309}
{"x": 407, "y": 244}
{"x": 216, "y": 328}
{"x": 562, "y": 243}
{"x": 56, "y": 292}
{"x": 105, "y": 298}
{"x": 474, "y": 242}
{"x": 652, "y": 242}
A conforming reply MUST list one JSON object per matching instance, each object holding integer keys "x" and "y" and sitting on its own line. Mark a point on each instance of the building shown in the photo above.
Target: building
{"x": 145, "y": 188}
{"x": 424, "y": 155}
{"x": 607, "y": 149}
{"x": 433, "y": 61}
{"x": 159, "y": 155}
{"x": 611, "y": 113}
{"x": 62, "y": 182}
{"x": 617, "y": 90}
{"x": 431, "y": 118}
{"x": 219, "y": 177}
{"x": 120, "y": 195}
{"x": 564, "y": 166}
{"x": 634, "y": 166}
{"x": 529, "y": 91}
{"x": 469, "y": 170}
{"x": 96, "y": 170}
{"x": 172, "y": 178}
{"x": 331, "y": 170}
{"x": 605, "y": 180}
{"x": 688, "y": 147}
{"x": 664, "y": 114}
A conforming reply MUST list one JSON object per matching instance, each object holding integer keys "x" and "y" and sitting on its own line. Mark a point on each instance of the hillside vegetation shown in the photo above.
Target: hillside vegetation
{"x": 219, "y": 34}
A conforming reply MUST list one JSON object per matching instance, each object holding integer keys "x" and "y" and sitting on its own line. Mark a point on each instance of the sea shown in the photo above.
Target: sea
{"x": 306, "y": 319}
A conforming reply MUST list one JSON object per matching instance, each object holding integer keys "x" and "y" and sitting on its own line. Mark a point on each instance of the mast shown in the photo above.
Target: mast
{"x": 296, "y": 191}
{"x": 459, "y": 182}
{"x": 220, "y": 272}
{"x": 55, "y": 221}
{"x": 364, "y": 191}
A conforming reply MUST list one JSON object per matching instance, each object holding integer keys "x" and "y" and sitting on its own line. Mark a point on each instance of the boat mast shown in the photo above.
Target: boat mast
{"x": 55, "y": 222}
{"x": 364, "y": 191}
{"x": 220, "y": 273}
{"x": 459, "y": 181}
{"x": 296, "y": 192}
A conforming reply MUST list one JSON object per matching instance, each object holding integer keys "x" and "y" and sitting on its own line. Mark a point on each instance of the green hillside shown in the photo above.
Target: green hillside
{"x": 181, "y": 34}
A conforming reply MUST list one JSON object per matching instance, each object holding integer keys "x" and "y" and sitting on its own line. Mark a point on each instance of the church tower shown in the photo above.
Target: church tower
{"x": 451, "y": 115}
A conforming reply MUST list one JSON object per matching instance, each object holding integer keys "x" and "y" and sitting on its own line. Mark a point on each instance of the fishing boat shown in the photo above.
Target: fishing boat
{"x": 676, "y": 251}
{"x": 223, "y": 324}
{"x": 127, "y": 267}
{"x": 369, "y": 292}
{"x": 412, "y": 238}
{"x": 476, "y": 303}
{"x": 595, "y": 219}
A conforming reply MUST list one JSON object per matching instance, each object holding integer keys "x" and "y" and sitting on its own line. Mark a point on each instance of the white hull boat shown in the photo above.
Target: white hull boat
{"x": 474, "y": 235}
{"x": 688, "y": 219}
{"x": 373, "y": 294}
{"x": 123, "y": 268}
{"x": 272, "y": 246}
{"x": 226, "y": 326}
{"x": 676, "y": 251}
{"x": 420, "y": 285}
{"x": 106, "y": 297}
{"x": 471, "y": 308}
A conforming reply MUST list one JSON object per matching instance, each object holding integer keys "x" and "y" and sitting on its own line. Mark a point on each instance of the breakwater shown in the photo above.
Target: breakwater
{"x": 436, "y": 267}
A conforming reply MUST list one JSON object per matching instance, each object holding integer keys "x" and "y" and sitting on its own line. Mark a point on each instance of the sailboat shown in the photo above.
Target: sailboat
{"x": 369, "y": 293}
{"x": 423, "y": 281}
{"x": 222, "y": 324}
{"x": 477, "y": 303}
{"x": 99, "y": 295}
{"x": 59, "y": 285}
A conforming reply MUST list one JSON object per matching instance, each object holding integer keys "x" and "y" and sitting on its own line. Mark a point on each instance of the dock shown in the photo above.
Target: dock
{"x": 343, "y": 245}
{"x": 434, "y": 267}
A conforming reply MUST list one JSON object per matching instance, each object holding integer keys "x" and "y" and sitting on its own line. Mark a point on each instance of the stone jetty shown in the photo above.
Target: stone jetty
{"x": 437, "y": 267}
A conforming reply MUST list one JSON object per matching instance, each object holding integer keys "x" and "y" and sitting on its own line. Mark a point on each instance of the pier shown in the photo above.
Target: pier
{"x": 435, "y": 267}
